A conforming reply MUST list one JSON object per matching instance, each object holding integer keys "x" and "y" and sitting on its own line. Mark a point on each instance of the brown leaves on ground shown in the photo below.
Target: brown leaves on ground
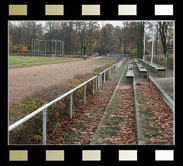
{"x": 119, "y": 126}
{"x": 156, "y": 116}
{"x": 81, "y": 128}
{"x": 128, "y": 127}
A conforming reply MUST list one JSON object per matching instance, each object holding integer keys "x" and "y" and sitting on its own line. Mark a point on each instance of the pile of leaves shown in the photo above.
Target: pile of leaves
{"x": 118, "y": 126}
{"x": 81, "y": 128}
{"x": 156, "y": 116}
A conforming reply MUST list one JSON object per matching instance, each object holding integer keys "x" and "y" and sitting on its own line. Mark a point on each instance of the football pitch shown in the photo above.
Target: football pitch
{"x": 31, "y": 59}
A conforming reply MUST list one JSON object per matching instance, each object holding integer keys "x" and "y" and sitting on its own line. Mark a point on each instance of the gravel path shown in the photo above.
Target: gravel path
{"x": 25, "y": 81}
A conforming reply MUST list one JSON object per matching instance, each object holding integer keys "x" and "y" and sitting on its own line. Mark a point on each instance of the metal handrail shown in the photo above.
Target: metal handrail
{"x": 16, "y": 124}
{"x": 44, "y": 107}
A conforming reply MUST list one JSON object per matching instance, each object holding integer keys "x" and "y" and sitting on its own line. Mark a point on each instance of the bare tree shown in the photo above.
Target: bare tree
{"x": 163, "y": 29}
{"x": 85, "y": 32}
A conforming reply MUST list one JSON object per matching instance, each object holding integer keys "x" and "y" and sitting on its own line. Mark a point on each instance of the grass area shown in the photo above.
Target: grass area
{"x": 39, "y": 64}
{"x": 30, "y": 59}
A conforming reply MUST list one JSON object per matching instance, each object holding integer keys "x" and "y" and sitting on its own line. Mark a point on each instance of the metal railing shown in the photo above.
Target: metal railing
{"x": 118, "y": 56}
{"x": 97, "y": 78}
{"x": 159, "y": 55}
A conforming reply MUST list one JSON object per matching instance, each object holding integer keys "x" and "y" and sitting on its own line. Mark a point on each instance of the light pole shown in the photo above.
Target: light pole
{"x": 153, "y": 43}
{"x": 144, "y": 44}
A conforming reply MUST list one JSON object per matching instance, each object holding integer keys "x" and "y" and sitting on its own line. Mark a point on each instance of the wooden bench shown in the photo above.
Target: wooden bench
{"x": 142, "y": 70}
{"x": 140, "y": 66}
{"x": 130, "y": 66}
{"x": 158, "y": 70}
{"x": 130, "y": 74}
{"x": 153, "y": 67}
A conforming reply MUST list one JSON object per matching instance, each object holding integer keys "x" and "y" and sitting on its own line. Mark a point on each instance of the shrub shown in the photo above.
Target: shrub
{"x": 148, "y": 58}
{"x": 169, "y": 63}
{"x": 31, "y": 131}
{"x": 162, "y": 61}
{"x": 155, "y": 60}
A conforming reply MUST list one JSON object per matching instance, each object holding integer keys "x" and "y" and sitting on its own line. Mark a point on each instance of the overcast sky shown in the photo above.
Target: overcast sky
{"x": 102, "y": 23}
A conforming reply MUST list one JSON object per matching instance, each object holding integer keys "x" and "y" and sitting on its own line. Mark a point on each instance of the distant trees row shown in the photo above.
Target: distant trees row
{"x": 89, "y": 37}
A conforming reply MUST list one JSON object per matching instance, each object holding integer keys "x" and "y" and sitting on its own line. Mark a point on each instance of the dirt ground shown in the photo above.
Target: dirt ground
{"x": 25, "y": 81}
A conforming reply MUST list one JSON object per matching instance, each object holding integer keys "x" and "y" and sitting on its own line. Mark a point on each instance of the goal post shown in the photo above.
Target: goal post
{"x": 39, "y": 47}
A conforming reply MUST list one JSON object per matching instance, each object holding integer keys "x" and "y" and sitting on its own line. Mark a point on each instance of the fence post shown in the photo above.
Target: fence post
{"x": 104, "y": 77}
{"x": 98, "y": 81}
{"x": 44, "y": 126}
{"x": 93, "y": 88}
{"x": 84, "y": 99}
{"x": 71, "y": 105}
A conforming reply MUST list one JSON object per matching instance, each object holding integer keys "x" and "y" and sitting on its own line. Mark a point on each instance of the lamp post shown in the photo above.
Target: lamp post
{"x": 153, "y": 43}
{"x": 144, "y": 45}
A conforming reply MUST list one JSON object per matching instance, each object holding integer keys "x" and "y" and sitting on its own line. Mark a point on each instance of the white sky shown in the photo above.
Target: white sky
{"x": 114, "y": 23}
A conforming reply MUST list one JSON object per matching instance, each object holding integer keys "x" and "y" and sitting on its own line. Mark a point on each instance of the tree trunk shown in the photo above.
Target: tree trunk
{"x": 163, "y": 29}
{"x": 140, "y": 41}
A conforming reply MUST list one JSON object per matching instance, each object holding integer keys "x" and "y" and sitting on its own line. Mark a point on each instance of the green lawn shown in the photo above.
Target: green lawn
{"x": 22, "y": 59}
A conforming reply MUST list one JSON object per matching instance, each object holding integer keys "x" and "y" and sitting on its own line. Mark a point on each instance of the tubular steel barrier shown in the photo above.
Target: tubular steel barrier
{"x": 96, "y": 79}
